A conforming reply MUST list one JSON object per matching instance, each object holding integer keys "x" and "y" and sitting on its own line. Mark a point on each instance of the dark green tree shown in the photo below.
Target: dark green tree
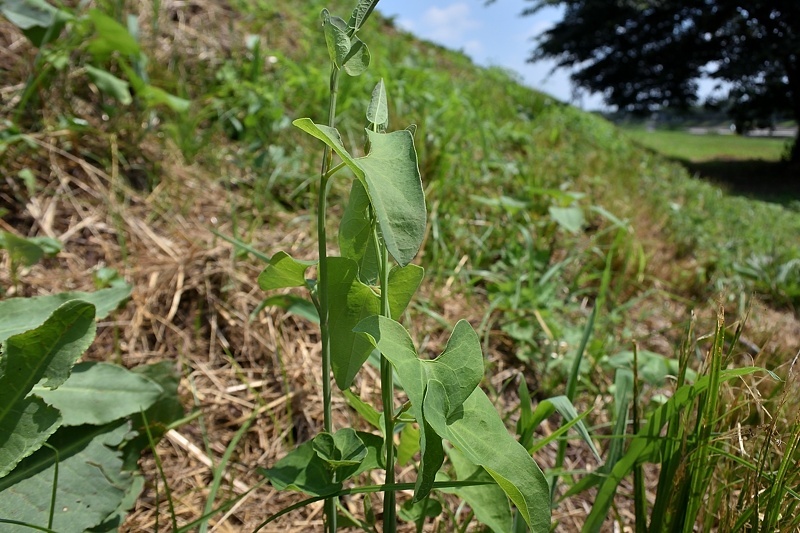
{"x": 644, "y": 55}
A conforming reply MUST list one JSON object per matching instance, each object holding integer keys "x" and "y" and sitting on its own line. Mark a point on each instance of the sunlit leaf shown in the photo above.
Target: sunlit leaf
{"x": 18, "y": 315}
{"x": 444, "y": 394}
{"x": 124, "y": 393}
{"x": 571, "y": 219}
{"x": 391, "y": 175}
{"x": 284, "y": 271}
{"x": 357, "y": 60}
{"x": 378, "y": 110}
{"x": 338, "y": 42}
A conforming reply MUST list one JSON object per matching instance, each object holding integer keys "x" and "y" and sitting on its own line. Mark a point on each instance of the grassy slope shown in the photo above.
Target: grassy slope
{"x": 501, "y": 164}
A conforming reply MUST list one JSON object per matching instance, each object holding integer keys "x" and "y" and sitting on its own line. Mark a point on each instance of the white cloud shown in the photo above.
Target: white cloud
{"x": 449, "y": 25}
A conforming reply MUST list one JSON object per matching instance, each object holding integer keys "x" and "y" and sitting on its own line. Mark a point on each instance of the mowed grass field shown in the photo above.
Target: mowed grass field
{"x": 698, "y": 148}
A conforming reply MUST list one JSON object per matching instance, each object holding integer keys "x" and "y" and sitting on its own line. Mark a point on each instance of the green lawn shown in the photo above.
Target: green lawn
{"x": 699, "y": 148}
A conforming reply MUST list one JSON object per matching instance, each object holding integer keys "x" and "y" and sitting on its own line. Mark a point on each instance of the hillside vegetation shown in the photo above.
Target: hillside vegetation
{"x": 564, "y": 242}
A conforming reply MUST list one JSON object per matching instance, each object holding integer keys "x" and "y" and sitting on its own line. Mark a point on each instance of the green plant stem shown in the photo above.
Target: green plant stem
{"x": 387, "y": 397}
{"x": 322, "y": 285}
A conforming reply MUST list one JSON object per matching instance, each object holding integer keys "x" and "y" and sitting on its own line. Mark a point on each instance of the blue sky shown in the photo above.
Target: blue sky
{"x": 491, "y": 35}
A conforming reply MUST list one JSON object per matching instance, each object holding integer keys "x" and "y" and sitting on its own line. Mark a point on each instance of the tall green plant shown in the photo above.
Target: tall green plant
{"x": 356, "y": 296}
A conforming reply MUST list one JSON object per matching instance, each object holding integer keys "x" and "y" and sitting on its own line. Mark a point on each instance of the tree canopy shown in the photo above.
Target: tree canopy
{"x": 644, "y": 55}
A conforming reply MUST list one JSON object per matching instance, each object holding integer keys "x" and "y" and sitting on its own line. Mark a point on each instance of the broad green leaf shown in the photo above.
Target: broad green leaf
{"x": 360, "y": 14}
{"x": 395, "y": 190}
{"x": 350, "y": 302}
{"x": 18, "y": 315}
{"x": 44, "y": 354}
{"x": 111, "y": 37}
{"x": 39, "y": 21}
{"x": 378, "y": 110}
{"x": 113, "y": 523}
{"x": 25, "y": 428}
{"x": 303, "y": 470}
{"x": 489, "y": 502}
{"x": 283, "y": 271}
{"x": 356, "y": 235}
{"x": 110, "y": 84}
{"x": 444, "y": 394}
{"x": 343, "y": 451}
{"x": 477, "y": 430}
{"x": 123, "y": 393}
{"x": 357, "y": 60}
{"x": 91, "y": 484}
{"x": 336, "y": 38}
{"x": 564, "y": 407}
{"x": 391, "y": 175}
{"x": 569, "y": 218}
{"x": 646, "y": 445}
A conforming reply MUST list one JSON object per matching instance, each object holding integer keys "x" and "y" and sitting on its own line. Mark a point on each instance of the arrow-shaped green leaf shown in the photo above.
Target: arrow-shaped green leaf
{"x": 445, "y": 396}
{"x": 391, "y": 175}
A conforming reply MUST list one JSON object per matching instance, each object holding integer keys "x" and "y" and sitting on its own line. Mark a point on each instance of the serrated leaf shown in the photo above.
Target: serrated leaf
{"x": 391, "y": 175}
{"x": 283, "y": 272}
{"x": 18, "y": 315}
{"x": 91, "y": 484}
{"x": 378, "y": 110}
{"x": 110, "y": 84}
{"x": 123, "y": 392}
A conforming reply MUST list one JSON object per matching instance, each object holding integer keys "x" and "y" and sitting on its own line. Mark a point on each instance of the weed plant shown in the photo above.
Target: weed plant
{"x": 357, "y": 294}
